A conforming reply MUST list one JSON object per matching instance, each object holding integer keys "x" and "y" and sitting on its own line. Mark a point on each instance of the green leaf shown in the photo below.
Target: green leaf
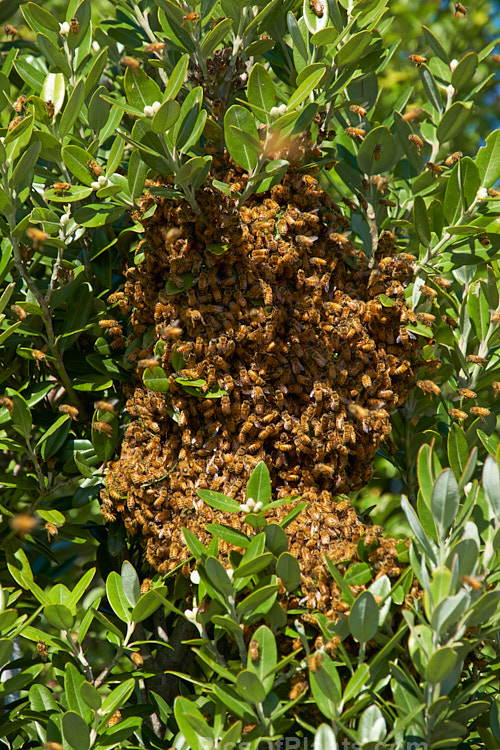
{"x": 156, "y": 379}
{"x": 250, "y": 687}
{"x": 73, "y": 680}
{"x": 56, "y": 58}
{"x": 42, "y": 699}
{"x": 130, "y": 583}
{"x": 435, "y": 45}
{"x": 363, "y": 617}
{"x": 382, "y": 137}
{"x": 491, "y": 486}
{"x": 259, "y": 601}
{"x": 430, "y": 87}
{"x": 117, "y": 698}
{"x": 261, "y": 91}
{"x": 39, "y": 19}
{"x": 358, "y": 574}
{"x": 90, "y": 695}
{"x": 136, "y": 174}
{"x": 453, "y": 121}
{"x": 445, "y": 500}
{"x": 417, "y": 529}
{"x": 140, "y": 89}
{"x": 197, "y": 549}
{"x": 59, "y": 616}
{"x": 326, "y": 686}
{"x": 288, "y": 570}
{"x": 488, "y": 160}
{"x": 458, "y": 452}
{"x": 146, "y": 606}
{"x": 254, "y": 565}
{"x": 215, "y": 36}
{"x": 353, "y": 49}
{"x": 25, "y": 165}
{"x": 77, "y": 159}
{"x": 267, "y": 657}
{"x": 259, "y": 485}
{"x": 218, "y": 577}
{"x": 116, "y": 597}
{"x": 305, "y": 88}
{"x": 188, "y": 281}
{"x": 98, "y": 215}
{"x": 75, "y": 731}
{"x": 449, "y": 611}
{"x": 465, "y": 70}
{"x": 177, "y": 78}
{"x": 228, "y": 534}
{"x": 324, "y": 739}
{"x": 189, "y": 126}
{"x": 21, "y": 415}
{"x": 421, "y": 221}
{"x": 356, "y": 683}
{"x": 193, "y": 725}
{"x": 72, "y": 108}
{"x": 166, "y": 116}
{"x": 94, "y": 74}
{"x": 276, "y": 539}
{"x": 69, "y": 196}
{"x": 219, "y": 501}
{"x": 441, "y": 664}
{"x": 241, "y": 152}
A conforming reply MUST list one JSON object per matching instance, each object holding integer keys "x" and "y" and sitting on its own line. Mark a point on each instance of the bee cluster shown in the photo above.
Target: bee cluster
{"x": 288, "y": 323}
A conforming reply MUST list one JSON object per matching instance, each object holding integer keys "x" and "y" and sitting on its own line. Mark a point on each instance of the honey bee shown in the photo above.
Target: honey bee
{"x": 94, "y": 167}
{"x": 435, "y": 168}
{"x": 102, "y": 427}
{"x": 155, "y": 47}
{"x": 317, "y": 7}
{"x": 190, "y": 17}
{"x": 495, "y": 385}
{"x": 150, "y": 362}
{"x": 460, "y": 10}
{"x": 475, "y": 360}
{"x": 19, "y": 104}
{"x": 19, "y": 312}
{"x": 495, "y": 317}
{"x": 467, "y": 393}
{"x": 417, "y": 60}
{"x": 315, "y": 661}
{"x": 41, "y": 648}
{"x": 267, "y": 432}
{"x": 361, "y": 111}
{"x": 6, "y": 403}
{"x": 15, "y": 122}
{"x": 254, "y": 447}
{"x": 297, "y": 689}
{"x": 104, "y": 406}
{"x": 285, "y": 447}
{"x": 9, "y": 30}
{"x": 479, "y": 411}
{"x": 429, "y": 387}
{"x": 457, "y": 414}
{"x": 427, "y": 291}
{"x": 253, "y": 650}
{"x": 304, "y": 240}
{"x": 129, "y": 62}
{"x": 387, "y": 202}
{"x": 74, "y": 25}
{"x": 483, "y": 239}
{"x": 350, "y": 204}
{"x": 37, "y": 237}
{"x": 67, "y": 409}
{"x": 377, "y": 152}
{"x": 355, "y": 133}
{"x": 246, "y": 428}
{"x": 61, "y": 187}
{"x": 415, "y": 140}
{"x": 339, "y": 239}
{"x": 453, "y": 158}
{"x": 474, "y": 583}
{"x": 493, "y": 193}
{"x": 426, "y": 318}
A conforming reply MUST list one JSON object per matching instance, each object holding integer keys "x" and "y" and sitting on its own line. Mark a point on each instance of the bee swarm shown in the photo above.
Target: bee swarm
{"x": 289, "y": 323}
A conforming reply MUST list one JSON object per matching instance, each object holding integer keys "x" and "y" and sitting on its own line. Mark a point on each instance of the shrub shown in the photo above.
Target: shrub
{"x": 232, "y": 244}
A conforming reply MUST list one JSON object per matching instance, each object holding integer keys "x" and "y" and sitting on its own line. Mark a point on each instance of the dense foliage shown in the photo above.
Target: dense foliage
{"x": 112, "y": 113}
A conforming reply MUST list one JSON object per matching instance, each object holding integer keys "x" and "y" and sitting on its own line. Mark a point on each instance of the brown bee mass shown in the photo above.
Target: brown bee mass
{"x": 303, "y": 361}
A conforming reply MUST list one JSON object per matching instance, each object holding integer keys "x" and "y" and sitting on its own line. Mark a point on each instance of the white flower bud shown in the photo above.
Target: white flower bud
{"x": 148, "y": 111}
{"x": 64, "y": 28}
{"x": 102, "y": 180}
{"x": 258, "y": 507}
{"x": 482, "y": 194}
{"x": 453, "y": 65}
{"x": 274, "y": 112}
{"x": 64, "y": 220}
{"x": 230, "y": 573}
{"x": 251, "y": 503}
{"x": 282, "y": 109}
{"x": 244, "y": 508}
{"x": 244, "y": 77}
{"x": 95, "y": 185}
{"x": 195, "y": 577}
{"x": 155, "y": 106}
{"x": 450, "y": 90}
{"x": 467, "y": 488}
{"x": 191, "y": 613}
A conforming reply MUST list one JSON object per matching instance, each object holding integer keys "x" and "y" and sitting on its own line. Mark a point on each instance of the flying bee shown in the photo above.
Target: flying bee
{"x": 339, "y": 239}
{"x": 361, "y": 111}
{"x": 475, "y": 360}
{"x": 493, "y": 193}
{"x": 453, "y": 158}
{"x": 480, "y": 411}
{"x": 9, "y": 30}
{"x": 417, "y": 60}
{"x": 460, "y": 10}
{"x": 74, "y": 25}
{"x": 102, "y": 427}
{"x": 474, "y": 583}
{"x": 155, "y": 47}
{"x": 304, "y": 240}
{"x": 467, "y": 393}
{"x": 415, "y": 140}
{"x": 67, "y": 409}
{"x": 355, "y": 133}
{"x": 426, "y": 318}
{"x": 377, "y": 152}
{"x": 144, "y": 364}
{"x": 434, "y": 168}
{"x": 496, "y": 387}
{"x": 37, "y": 237}
{"x": 387, "y": 202}
{"x": 104, "y": 406}
{"x": 429, "y": 387}
{"x": 130, "y": 62}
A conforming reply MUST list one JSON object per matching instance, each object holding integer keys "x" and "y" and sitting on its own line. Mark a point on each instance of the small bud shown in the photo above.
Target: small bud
{"x": 137, "y": 659}
{"x": 195, "y": 577}
{"x": 274, "y": 112}
{"x": 191, "y": 613}
{"x": 453, "y": 65}
{"x": 155, "y": 106}
{"x": 64, "y": 28}
{"x": 64, "y": 220}
{"x": 95, "y": 185}
{"x": 251, "y": 503}
{"x": 282, "y": 109}
{"x": 148, "y": 111}
{"x": 450, "y": 90}
{"x": 102, "y": 180}
{"x": 482, "y": 194}
{"x": 244, "y": 508}
{"x": 230, "y": 573}
{"x": 258, "y": 507}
